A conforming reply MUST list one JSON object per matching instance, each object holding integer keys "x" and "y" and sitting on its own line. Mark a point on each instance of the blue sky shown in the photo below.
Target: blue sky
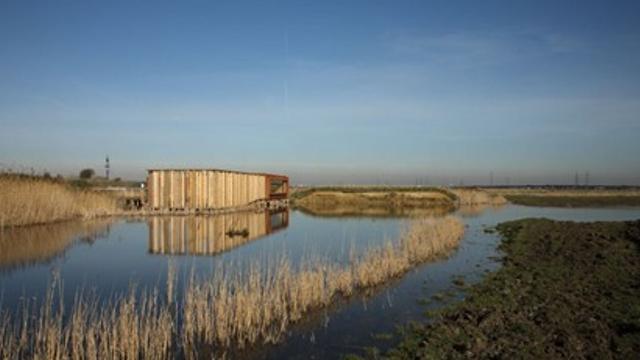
{"x": 329, "y": 92}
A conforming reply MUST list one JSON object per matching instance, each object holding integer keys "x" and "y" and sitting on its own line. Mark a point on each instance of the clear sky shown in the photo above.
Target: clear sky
{"x": 341, "y": 92}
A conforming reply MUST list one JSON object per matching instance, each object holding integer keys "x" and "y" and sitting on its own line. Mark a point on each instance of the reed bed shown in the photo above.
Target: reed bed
{"x": 569, "y": 191}
{"x": 229, "y": 310}
{"x": 364, "y": 198}
{"x": 130, "y": 327}
{"x": 30, "y": 200}
{"x": 473, "y": 197}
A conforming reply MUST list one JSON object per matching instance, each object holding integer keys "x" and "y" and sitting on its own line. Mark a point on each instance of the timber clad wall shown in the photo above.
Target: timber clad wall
{"x": 211, "y": 189}
{"x": 209, "y": 235}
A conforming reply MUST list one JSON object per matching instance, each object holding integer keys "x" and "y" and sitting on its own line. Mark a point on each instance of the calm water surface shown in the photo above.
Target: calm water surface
{"x": 107, "y": 256}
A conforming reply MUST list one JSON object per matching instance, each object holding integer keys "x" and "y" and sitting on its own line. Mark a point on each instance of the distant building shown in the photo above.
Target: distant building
{"x": 205, "y": 189}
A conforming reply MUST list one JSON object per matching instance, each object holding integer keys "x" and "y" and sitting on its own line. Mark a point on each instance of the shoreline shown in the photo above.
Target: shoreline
{"x": 30, "y": 201}
{"x": 574, "y": 201}
{"x": 565, "y": 289}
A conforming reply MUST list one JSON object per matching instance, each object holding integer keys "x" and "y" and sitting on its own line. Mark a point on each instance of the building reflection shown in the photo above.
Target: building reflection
{"x": 471, "y": 211}
{"x": 210, "y": 235}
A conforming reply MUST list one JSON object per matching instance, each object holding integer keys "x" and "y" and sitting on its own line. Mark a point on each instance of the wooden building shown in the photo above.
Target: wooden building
{"x": 210, "y": 235}
{"x": 204, "y": 189}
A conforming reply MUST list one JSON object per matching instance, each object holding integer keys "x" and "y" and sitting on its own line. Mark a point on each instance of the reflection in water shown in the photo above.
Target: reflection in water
{"x": 24, "y": 246}
{"x": 476, "y": 210}
{"x": 347, "y": 210}
{"x": 335, "y": 332}
{"x": 209, "y": 235}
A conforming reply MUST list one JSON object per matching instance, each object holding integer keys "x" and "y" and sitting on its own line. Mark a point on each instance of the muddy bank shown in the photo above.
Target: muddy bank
{"x": 566, "y": 290}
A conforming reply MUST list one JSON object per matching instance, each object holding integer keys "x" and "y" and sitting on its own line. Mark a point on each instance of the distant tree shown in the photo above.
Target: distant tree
{"x": 46, "y": 175}
{"x": 117, "y": 179}
{"x": 87, "y": 174}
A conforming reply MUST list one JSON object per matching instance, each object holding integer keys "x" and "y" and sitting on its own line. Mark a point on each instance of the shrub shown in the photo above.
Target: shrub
{"x": 87, "y": 173}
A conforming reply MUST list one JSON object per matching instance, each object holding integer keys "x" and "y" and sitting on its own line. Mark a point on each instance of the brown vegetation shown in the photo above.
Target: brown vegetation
{"x": 473, "y": 197}
{"x": 230, "y": 311}
{"x": 574, "y": 201}
{"x": 571, "y": 197}
{"x": 131, "y": 327}
{"x": 391, "y": 201}
{"x": 577, "y": 191}
{"x": 227, "y": 311}
{"x": 30, "y": 200}
{"x": 374, "y": 201}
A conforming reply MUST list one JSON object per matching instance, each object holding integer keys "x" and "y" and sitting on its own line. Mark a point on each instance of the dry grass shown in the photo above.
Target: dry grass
{"x": 236, "y": 310}
{"x": 28, "y": 201}
{"x": 396, "y": 201}
{"x": 393, "y": 201}
{"x": 567, "y": 192}
{"x": 230, "y": 310}
{"x": 131, "y": 327}
{"x": 473, "y": 197}
{"x": 571, "y": 197}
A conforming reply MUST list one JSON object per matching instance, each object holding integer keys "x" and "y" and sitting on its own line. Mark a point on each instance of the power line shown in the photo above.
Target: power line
{"x": 586, "y": 178}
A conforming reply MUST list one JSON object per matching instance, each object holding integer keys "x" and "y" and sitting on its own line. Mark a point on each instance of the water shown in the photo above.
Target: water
{"x": 107, "y": 256}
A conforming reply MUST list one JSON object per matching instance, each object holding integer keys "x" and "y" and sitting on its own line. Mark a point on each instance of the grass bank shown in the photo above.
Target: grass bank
{"x": 477, "y": 197}
{"x": 229, "y": 311}
{"x": 356, "y": 189}
{"x": 26, "y": 200}
{"x": 372, "y": 201}
{"x": 584, "y": 200}
{"x": 373, "y": 196}
{"x": 571, "y": 196}
{"x": 396, "y": 201}
{"x": 566, "y": 290}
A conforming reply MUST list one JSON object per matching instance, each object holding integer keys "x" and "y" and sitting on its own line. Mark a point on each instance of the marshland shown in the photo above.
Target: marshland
{"x": 303, "y": 281}
{"x": 319, "y": 179}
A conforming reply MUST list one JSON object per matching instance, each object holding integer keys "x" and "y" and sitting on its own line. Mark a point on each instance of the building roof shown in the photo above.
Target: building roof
{"x": 219, "y": 170}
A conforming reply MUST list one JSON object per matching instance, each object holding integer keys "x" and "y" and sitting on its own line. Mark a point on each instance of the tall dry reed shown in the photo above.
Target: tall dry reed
{"x": 130, "y": 327}
{"x": 229, "y": 310}
{"x": 27, "y": 201}
{"x": 471, "y": 197}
